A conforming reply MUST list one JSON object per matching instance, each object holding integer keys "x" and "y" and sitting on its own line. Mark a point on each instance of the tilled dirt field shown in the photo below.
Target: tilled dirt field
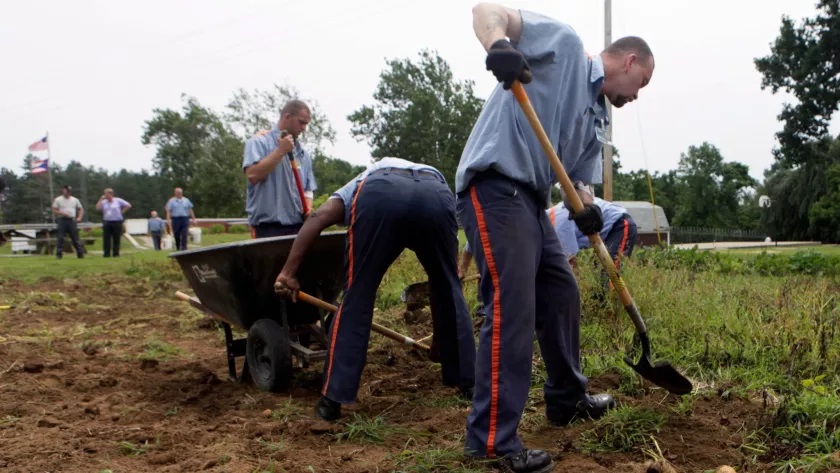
{"x": 113, "y": 374}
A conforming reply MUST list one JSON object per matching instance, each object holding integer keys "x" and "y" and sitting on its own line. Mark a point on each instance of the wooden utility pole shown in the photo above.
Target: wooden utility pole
{"x": 608, "y": 150}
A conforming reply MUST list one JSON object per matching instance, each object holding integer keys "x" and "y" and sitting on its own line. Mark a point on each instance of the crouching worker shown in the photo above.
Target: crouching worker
{"x": 391, "y": 206}
{"x": 619, "y": 233}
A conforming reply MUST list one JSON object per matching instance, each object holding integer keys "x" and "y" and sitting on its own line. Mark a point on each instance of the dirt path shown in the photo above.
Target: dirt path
{"x": 108, "y": 374}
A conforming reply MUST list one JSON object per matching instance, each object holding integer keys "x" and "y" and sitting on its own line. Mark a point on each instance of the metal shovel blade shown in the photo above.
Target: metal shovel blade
{"x": 662, "y": 373}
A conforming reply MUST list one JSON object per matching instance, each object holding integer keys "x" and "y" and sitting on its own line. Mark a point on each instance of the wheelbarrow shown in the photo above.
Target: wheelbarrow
{"x": 234, "y": 284}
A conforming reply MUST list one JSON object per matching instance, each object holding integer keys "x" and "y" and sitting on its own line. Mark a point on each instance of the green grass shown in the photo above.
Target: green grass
{"x": 829, "y": 250}
{"x": 361, "y": 429}
{"x": 156, "y": 349}
{"x": 31, "y": 268}
{"x": 624, "y": 429}
{"x": 435, "y": 460}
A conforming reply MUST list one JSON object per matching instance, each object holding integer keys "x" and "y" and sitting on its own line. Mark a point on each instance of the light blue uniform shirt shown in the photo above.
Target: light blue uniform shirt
{"x": 565, "y": 92}
{"x": 112, "y": 210}
{"x": 179, "y": 207}
{"x": 276, "y": 199}
{"x": 571, "y": 237}
{"x": 156, "y": 224}
{"x": 347, "y": 192}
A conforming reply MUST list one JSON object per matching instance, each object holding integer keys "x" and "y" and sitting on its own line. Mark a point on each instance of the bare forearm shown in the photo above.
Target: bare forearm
{"x": 307, "y": 235}
{"x": 492, "y": 22}
{"x": 331, "y": 213}
{"x": 258, "y": 171}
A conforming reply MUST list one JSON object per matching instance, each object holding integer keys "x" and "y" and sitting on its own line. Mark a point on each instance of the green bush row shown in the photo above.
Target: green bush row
{"x": 768, "y": 264}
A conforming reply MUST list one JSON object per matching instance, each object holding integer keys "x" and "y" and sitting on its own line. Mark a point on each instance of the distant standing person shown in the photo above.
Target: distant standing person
{"x": 179, "y": 214}
{"x": 112, "y": 209}
{"x": 69, "y": 211}
{"x": 156, "y": 228}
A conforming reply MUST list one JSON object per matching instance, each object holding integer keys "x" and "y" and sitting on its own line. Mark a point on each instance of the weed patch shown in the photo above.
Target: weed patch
{"x": 624, "y": 429}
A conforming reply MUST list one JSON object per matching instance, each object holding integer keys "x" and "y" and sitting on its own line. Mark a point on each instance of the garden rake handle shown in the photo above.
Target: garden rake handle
{"x": 577, "y": 206}
{"x": 302, "y": 296}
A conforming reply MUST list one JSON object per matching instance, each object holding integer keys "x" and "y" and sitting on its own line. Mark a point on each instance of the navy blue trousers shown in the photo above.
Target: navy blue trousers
{"x": 621, "y": 239}
{"x": 180, "y": 230}
{"x": 527, "y": 286}
{"x": 392, "y": 211}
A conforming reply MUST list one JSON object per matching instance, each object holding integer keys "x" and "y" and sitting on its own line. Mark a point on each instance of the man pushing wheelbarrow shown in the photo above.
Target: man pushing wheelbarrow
{"x": 393, "y": 205}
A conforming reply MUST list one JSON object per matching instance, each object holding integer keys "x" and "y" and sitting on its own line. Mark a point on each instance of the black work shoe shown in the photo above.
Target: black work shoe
{"x": 328, "y": 409}
{"x": 593, "y": 407}
{"x": 527, "y": 461}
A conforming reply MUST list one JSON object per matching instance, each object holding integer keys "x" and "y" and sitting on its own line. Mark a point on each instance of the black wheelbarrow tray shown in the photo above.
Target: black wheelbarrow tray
{"x": 234, "y": 284}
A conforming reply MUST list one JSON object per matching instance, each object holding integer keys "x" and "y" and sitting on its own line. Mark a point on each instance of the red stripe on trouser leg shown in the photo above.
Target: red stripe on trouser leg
{"x": 497, "y": 323}
{"x": 337, "y": 320}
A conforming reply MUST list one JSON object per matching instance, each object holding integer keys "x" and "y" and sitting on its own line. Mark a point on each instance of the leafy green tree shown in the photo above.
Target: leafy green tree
{"x": 709, "y": 190}
{"x": 804, "y": 62}
{"x": 180, "y": 138}
{"x": 198, "y": 151}
{"x": 421, "y": 113}
{"x": 802, "y": 182}
{"x": 332, "y": 173}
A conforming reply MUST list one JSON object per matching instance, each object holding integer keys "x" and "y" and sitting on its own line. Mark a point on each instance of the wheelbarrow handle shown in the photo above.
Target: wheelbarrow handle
{"x": 577, "y": 205}
{"x": 302, "y": 296}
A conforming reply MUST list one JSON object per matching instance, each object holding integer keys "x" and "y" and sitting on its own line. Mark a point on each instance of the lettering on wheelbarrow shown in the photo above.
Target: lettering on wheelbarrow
{"x": 204, "y": 272}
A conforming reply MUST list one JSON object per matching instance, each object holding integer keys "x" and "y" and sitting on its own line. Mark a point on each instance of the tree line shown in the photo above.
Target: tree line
{"x": 421, "y": 112}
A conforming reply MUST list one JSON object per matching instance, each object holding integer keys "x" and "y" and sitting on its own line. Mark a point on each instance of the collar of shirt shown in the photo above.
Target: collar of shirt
{"x": 596, "y": 80}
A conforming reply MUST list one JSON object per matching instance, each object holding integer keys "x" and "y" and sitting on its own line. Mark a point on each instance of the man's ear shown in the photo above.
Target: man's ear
{"x": 629, "y": 61}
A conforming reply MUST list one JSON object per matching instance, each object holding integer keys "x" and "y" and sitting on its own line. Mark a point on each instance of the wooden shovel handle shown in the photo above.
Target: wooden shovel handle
{"x": 302, "y": 296}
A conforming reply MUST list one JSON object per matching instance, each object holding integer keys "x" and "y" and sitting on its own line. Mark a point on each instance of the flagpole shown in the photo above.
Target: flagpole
{"x": 49, "y": 171}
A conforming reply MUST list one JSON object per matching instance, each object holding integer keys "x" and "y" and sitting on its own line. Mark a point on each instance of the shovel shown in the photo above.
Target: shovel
{"x": 393, "y": 335}
{"x": 661, "y": 373}
{"x": 420, "y": 290}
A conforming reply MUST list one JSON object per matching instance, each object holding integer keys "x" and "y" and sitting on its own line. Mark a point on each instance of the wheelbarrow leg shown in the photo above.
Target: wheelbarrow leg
{"x": 235, "y": 348}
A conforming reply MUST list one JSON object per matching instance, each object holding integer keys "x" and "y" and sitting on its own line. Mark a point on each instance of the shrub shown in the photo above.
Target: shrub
{"x": 216, "y": 229}
{"x": 239, "y": 229}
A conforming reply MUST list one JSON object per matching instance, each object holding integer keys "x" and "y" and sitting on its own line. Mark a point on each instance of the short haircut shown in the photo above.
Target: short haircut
{"x": 630, "y": 45}
{"x": 294, "y": 107}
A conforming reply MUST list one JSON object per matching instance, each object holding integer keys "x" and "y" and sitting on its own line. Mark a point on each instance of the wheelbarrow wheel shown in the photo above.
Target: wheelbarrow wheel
{"x": 269, "y": 356}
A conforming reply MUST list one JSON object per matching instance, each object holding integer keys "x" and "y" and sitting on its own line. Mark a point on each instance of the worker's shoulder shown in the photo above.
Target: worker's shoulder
{"x": 538, "y": 26}
{"x": 260, "y": 140}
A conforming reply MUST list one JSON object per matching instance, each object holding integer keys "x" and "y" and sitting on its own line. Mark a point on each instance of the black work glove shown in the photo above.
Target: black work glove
{"x": 507, "y": 64}
{"x": 589, "y": 220}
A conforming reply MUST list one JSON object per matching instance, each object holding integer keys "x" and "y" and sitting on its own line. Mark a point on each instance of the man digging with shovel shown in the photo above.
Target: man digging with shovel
{"x": 503, "y": 184}
{"x": 393, "y": 205}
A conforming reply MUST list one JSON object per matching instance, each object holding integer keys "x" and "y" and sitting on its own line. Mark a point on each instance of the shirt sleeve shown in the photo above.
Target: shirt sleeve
{"x": 55, "y": 203}
{"x": 124, "y": 203}
{"x": 347, "y": 191}
{"x": 79, "y": 204}
{"x": 189, "y": 203}
{"x": 254, "y": 150}
{"x": 546, "y": 39}
{"x": 309, "y": 170}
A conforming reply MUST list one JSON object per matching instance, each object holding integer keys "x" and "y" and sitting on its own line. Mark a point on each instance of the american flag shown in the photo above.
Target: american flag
{"x": 39, "y": 145}
{"x": 39, "y": 166}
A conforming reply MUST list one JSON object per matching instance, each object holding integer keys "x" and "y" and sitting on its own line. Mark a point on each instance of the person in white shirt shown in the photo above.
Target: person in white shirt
{"x": 68, "y": 211}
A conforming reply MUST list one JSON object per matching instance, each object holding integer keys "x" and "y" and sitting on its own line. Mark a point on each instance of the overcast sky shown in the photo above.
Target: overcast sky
{"x": 90, "y": 72}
